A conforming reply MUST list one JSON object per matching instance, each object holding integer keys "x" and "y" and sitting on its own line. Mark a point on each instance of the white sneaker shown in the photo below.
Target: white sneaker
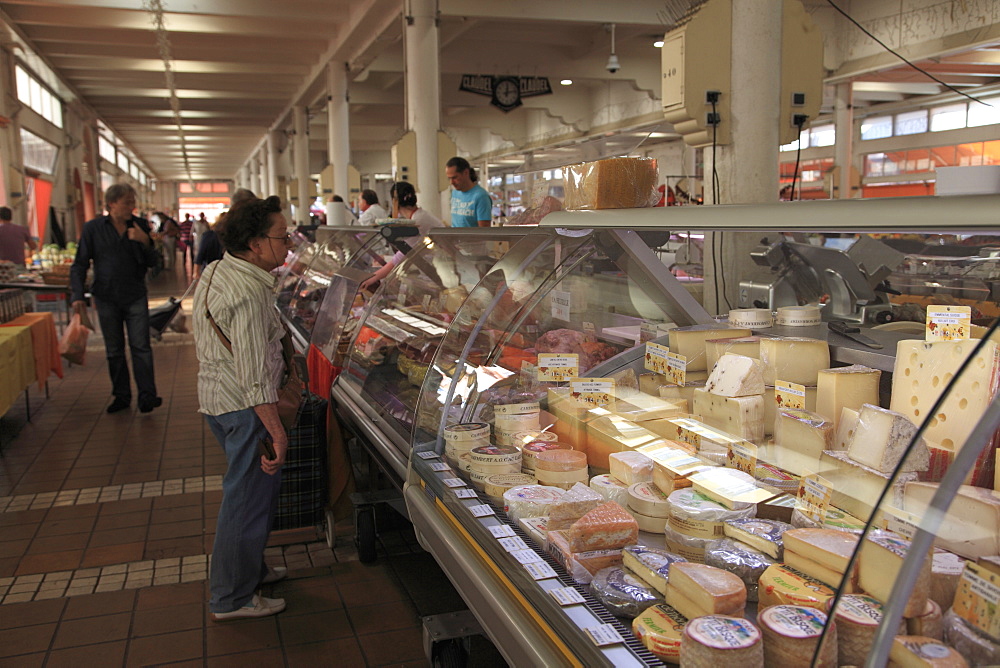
{"x": 258, "y": 606}
{"x": 274, "y": 573}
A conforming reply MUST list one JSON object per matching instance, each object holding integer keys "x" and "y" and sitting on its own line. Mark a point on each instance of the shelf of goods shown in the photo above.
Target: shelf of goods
{"x": 668, "y": 528}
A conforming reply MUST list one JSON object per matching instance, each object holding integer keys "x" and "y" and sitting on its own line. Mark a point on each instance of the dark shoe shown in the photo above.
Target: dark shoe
{"x": 148, "y": 407}
{"x": 118, "y": 405}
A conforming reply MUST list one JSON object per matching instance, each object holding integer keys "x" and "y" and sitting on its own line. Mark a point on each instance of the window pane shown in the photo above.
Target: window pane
{"x": 122, "y": 162}
{"x": 46, "y": 105}
{"x": 917, "y": 160}
{"x": 23, "y": 86}
{"x": 57, "y": 117}
{"x": 970, "y": 154}
{"x": 220, "y": 187}
{"x": 39, "y": 154}
{"x": 944, "y": 156}
{"x": 873, "y": 164}
{"x": 991, "y": 152}
{"x": 876, "y": 127}
{"x": 950, "y": 117}
{"x": 36, "y": 95}
{"x": 980, "y": 114}
{"x": 184, "y": 187}
{"x": 823, "y": 135}
{"x": 912, "y": 122}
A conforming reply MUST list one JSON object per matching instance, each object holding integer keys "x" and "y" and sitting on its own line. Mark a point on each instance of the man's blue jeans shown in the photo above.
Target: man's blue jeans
{"x": 115, "y": 319}
{"x": 249, "y": 501}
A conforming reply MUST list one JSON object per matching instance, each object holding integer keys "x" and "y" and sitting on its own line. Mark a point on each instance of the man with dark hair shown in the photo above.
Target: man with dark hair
{"x": 121, "y": 250}
{"x": 471, "y": 205}
{"x": 371, "y": 211}
{"x": 13, "y": 238}
{"x": 237, "y": 335}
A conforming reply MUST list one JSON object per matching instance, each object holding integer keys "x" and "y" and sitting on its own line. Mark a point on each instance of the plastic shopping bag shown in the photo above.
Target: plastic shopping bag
{"x": 73, "y": 344}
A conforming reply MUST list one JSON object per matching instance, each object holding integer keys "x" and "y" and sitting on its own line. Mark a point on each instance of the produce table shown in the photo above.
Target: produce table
{"x": 17, "y": 364}
{"x": 45, "y": 344}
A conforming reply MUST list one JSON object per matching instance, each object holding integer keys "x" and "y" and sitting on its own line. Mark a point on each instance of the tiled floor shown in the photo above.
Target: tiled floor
{"x": 106, "y": 529}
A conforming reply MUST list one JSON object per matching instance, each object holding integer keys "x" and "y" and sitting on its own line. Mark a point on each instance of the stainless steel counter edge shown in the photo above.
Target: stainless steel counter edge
{"x": 345, "y": 398}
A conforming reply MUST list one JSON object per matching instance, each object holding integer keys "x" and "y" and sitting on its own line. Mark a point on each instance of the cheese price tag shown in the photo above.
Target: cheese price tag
{"x": 648, "y": 331}
{"x": 513, "y": 544}
{"x": 948, "y": 323}
{"x": 742, "y": 456}
{"x": 605, "y": 634}
{"x": 675, "y": 460}
{"x": 676, "y": 369}
{"x": 426, "y": 302}
{"x": 977, "y": 600}
{"x": 454, "y": 482}
{"x": 557, "y": 367}
{"x": 428, "y": 454}
{"x": 590, "y": 331}
{"x": 439, "y": 466}
{"x": 721, "y": 486}
{"x": 539, "y": 191}
{"x": 566, "y": 596}
{"x": 482, "y": 510}
{"x": 465, "y": 493}
{"x": 657, "y": 358}
{"x": 814, "y": 497}
{"x": 501, "y": 531}
{"x": 540, "y": 570}
{"x": 901, "y": 522}
{"x": 527, "y": 556}
{"x": 593, "y": 391}
{"x": 529, "y": 375}
{"x": 789, "y": 395}
{"x": 560, "y": 301}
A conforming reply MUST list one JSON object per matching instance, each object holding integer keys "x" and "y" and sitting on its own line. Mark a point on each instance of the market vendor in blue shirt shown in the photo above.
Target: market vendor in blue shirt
{"x": 471, "y": 205}
{"x": 121, "y": 249}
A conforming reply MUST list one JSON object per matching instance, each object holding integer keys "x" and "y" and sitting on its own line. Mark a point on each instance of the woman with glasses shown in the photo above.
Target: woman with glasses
{"x": 238, "y": 341}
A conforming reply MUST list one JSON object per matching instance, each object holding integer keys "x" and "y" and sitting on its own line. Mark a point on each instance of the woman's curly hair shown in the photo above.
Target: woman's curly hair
{"x": 247, "y": 220}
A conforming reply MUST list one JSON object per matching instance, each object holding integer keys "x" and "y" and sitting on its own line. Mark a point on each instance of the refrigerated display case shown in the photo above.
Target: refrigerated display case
{"x": 593, "y": 289}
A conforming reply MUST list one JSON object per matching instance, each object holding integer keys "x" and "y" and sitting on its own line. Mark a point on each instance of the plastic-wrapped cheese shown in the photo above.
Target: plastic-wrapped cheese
{"x": 610, "y": 488}
{"x": 651, "y": 564}
{"x": 530, "y": 450}
{"x": 781, "y": 585}
{"x": 631, "y": 467}
{"x": 530, "y": 501}
{"x": 791, "y": 633}
{"x": 794, "y": 359}
{"x": 581, "y": 565}
{"x": 764, "y": 535}
{"x": 694, "y": 515}
{"x": 835, "y": 519}
{"x": 571, "y": 506}
{"x": 695, "y": 590}
{"x": 689, "y": 547}
{"x": 718, "y": 641}
{"x": 743, "y": 561}
{"x": 623, "y": 594}
{"x": 561, "y": 468}
{"x": 857, "y": 617}
{"x": 973, "y": 645}
{"x": 606, "y": 527}
{"x": 660, "y": 628}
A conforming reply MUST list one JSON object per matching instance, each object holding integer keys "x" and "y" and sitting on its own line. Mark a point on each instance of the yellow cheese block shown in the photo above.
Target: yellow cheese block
{"x": 845, "y": 387}
{"x": 881, "y": 558}
{"x": 922, "y": 652}
{"x": 828, "y": 547}
{"x": 710, "y": 589}
{"x": 856, "y": 488}
{"x": 691, "y": 343}
{"x": 794, "y": 359}
{"x": 660, "y": 628}
{"x": 781, "y": 585}
{"x": 609, "y": 434}
{"x": 816, "y": 570}
{"x": 748, "y": 346}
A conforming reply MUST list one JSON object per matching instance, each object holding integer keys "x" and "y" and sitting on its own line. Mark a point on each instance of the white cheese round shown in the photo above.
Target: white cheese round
{"x": 752, "y": 318}
{"x": 799, "y": 316}
{"x": 646, "y": 498}
{"x": 611, "y": 489}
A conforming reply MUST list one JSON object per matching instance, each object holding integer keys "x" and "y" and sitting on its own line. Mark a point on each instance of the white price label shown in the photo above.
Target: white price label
{"x": 527, "y": 556}
{"x": 605, "y": 634}
{"x": 428, "y": 454}
{"x": 501, "y": 531}
{"x": 465, "y": 493}
{"x": 454, "y": 482}
{"x": 560, "y": 300}
{"x": 567, "y": 596}
{"x": 482, "y": 510}
{"x": 440, "y": 466}
{"x": 513, "y": 544}
{"x": 540, "y": 570}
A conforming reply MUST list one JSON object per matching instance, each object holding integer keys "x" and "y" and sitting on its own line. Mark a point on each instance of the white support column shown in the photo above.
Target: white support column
{"x": 338, "y": 142}
{"x": 261, "y": 157}
{"x": 301, "y": 154}
{"x": 423, "y": 96}
{"x": 254, "y": 171}
{"x": 844, "y": 149}
{"x": 272, "y": 164}
{"x": 748, "y": 166}
{"x": 245, "y": 175}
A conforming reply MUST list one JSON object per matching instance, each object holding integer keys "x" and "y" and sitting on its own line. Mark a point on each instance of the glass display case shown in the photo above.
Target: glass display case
{"x": 811, "y": 467}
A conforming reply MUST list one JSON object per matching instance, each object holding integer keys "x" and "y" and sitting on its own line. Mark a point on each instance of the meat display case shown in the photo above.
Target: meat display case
{"x": 589, "y": 283}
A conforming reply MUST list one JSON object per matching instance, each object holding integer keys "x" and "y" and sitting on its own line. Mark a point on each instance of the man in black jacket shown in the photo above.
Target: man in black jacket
{"x": 121, "y": 250}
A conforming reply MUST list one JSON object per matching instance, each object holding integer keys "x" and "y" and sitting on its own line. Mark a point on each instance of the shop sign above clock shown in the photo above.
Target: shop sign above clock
{"x": 506, "y": 91}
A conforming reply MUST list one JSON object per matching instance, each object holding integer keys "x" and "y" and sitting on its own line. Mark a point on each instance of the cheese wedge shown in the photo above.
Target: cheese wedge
{"x": 856, "y": 488}
{"x": 804, "y": 432}
{"x": 606, "y": 527}
{"x": 814, "y": 569}
{"x": 736, "y": 376}
{"x": 765, "y": 535}
{"x": 651, "y": 564}
{"x": 641, "y": 408}
{"x": 771, "y": 407}
{"x": 748, "y": 346}
{"x": 691, "y": 343}
{"x": 971, "y": 527}
{"x": 946, "y": 571}
{"x": 796, "y": 360}
{"x": 782, "y": 585}
{"x": 722, "y": 642}
{"x": 677, "y": 393}
{"x": 929, "y": 623}
{"x": 611, "y": 433}
{"x": 846, "y": 428}
{"x": 660, "y": 629}
{"x": 791, "y": 633}
{"x": 845, "y": 387}
{"x": 881, "y": 558}
{"x": 921, "y": 652}
{"x": 705, "y": 590}
{"x": 881, "y": 439}
{"x": 827, "y": 547}
{"x": 743, "y": 417}
{"x": 631, "y": 467}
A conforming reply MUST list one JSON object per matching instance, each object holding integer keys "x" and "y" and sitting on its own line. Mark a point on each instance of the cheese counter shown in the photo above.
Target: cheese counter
{"x": 611, "y": 475}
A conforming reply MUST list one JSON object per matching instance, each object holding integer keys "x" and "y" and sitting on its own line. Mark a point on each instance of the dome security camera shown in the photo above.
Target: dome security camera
{"x": 613, "y": 65}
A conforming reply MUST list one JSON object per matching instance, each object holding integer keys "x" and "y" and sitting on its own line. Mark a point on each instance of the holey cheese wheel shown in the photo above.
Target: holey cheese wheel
{"x": 717, "y": 641}
{"x": 791, "y": 633}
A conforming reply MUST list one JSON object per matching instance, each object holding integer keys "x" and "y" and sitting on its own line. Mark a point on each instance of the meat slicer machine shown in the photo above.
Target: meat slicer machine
{"x": 851, "y": 284}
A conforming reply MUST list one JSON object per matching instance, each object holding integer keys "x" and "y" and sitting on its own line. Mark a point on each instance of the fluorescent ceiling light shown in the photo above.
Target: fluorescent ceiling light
{"x": 566, "y": 82}
{"x": 658, "y": 44}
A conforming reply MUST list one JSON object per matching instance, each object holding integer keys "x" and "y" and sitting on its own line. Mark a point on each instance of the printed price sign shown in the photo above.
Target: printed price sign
{"x": 501, "y": 531}
{"x": 814, "y": 497}
{"x": 742, "y": 456}
{"x": 675, "y": 460}
{"x": 558, "y": 367}
{"x": 593, "y": 391}
{"x": 454, "y": 482}
{"x": 482, "y": 510}
{"x": 527, "y": 556}
{"x": 540, "y": 570}
{"x": 465, "y": 493}
{"x": 789, "y": 395}
{"x": 560, "y": 300}
{"x": 513, "y": 544}
{"x": 901, "y": 522}
{"x": 727, "y": 489}
{"x": 428, "y": 454}
{"x": 948, "y": 323}
{"x": 566, "y": 596}
{"x": 977, "y": 600}
{"x": 605, "y": 634}
{"x": 439, "y": 466}
{"x": 657, "y": 358}
{"x": 676, "y": 369}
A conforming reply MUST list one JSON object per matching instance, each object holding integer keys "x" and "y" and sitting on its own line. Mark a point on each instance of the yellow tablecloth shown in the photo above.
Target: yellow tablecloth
{"x": 17, "y": 364}
{"x": 44, "y": 342}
